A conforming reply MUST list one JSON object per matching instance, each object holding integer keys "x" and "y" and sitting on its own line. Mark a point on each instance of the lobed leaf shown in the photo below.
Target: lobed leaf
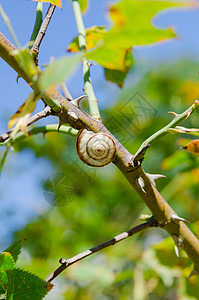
{"x": 25, "y": 285}
{"x": 132, "y": 26}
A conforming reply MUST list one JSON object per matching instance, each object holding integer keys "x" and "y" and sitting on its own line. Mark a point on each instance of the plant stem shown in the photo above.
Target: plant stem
{"x": 88, "y": 88}
{"x": 38, "y": 22}
{"x": 165, "y": 130}
{"x": 111, "y": 242}
{"x": 42, "y": 129}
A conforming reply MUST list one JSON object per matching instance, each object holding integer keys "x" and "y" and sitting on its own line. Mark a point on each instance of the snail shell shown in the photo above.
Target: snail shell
{"x": 95, "y": 149}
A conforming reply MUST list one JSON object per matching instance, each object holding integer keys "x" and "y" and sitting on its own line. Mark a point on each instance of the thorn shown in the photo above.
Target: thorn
{"x": 141, "y": 184}
{"x": 175, "y": 115}
{"x": 17, "y": 79}
{"x": 154, "y": 177}
{"x": 91, "y": 64}
{"x": 188, "y": 114}
{"x": 178, "y": 243}
{"x": 145, "y": 217}
{"x": 62, "y": 261}
{"x": 193, "y": 272}
{"x": 77, "y": 100}
{"x": 72, "y": 116}
{"x": 176, "y": 251}
{"x": 176, "y": 219}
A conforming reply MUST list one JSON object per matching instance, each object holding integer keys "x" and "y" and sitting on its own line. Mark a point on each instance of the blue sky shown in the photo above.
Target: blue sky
{"x": 20, "y": 192}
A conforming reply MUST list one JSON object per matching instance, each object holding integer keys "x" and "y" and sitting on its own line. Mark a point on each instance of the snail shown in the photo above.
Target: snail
{"x": 95, "y": 149}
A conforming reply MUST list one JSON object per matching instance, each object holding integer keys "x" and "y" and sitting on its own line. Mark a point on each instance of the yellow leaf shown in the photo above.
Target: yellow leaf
{"x": 54, "y": 2}
{"x": 23, "y": 113}
{"x": 27, "y": 107}
{"x": 94, "y": 35}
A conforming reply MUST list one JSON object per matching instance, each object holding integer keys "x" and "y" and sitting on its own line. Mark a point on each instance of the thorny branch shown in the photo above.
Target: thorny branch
{"x": 139, "y": 180}
{"x": 118, "y": 238}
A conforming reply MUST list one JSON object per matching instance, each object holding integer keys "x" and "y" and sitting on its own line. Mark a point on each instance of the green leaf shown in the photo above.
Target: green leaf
{"x": 6, "y": 263}
{"x": 15, "y": 249}
{"x": 54, "y": 2}
{"x": 132, "y": 26}
{"x": 25, "y": 285}
{"x": 117, "y": 76}
{"x": 58, "y": 71}
{"x": 83, "y": 5}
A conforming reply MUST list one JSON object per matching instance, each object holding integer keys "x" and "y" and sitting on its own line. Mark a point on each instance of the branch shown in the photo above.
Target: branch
{"x": 43, "y": 27}
{"x": 41, "y": 129}
{"x": 160, "y": 209}
{"x": 88, "y": 88}
{"x": 42, "y": 114}
{"x": 118, "y": 238}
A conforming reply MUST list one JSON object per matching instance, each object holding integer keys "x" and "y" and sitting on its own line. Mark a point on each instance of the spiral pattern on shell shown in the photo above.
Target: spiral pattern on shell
{"x": 95, "y": 149}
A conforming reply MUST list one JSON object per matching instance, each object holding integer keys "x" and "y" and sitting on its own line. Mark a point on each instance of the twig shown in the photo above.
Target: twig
{"x": 42, "y": 114}
{"x": 88, "y": 88}
{"x": 66, "y": 92}
{"x": 41, "y": 129}
{"x": 165, "y": 130}
{"x": 44, "y": 27}
{"x": 38, "y": 22}
{"x": 118, "y": 238}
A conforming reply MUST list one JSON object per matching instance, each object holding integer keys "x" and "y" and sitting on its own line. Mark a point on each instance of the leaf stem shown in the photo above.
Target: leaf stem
{"x": 88, "y": 87}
